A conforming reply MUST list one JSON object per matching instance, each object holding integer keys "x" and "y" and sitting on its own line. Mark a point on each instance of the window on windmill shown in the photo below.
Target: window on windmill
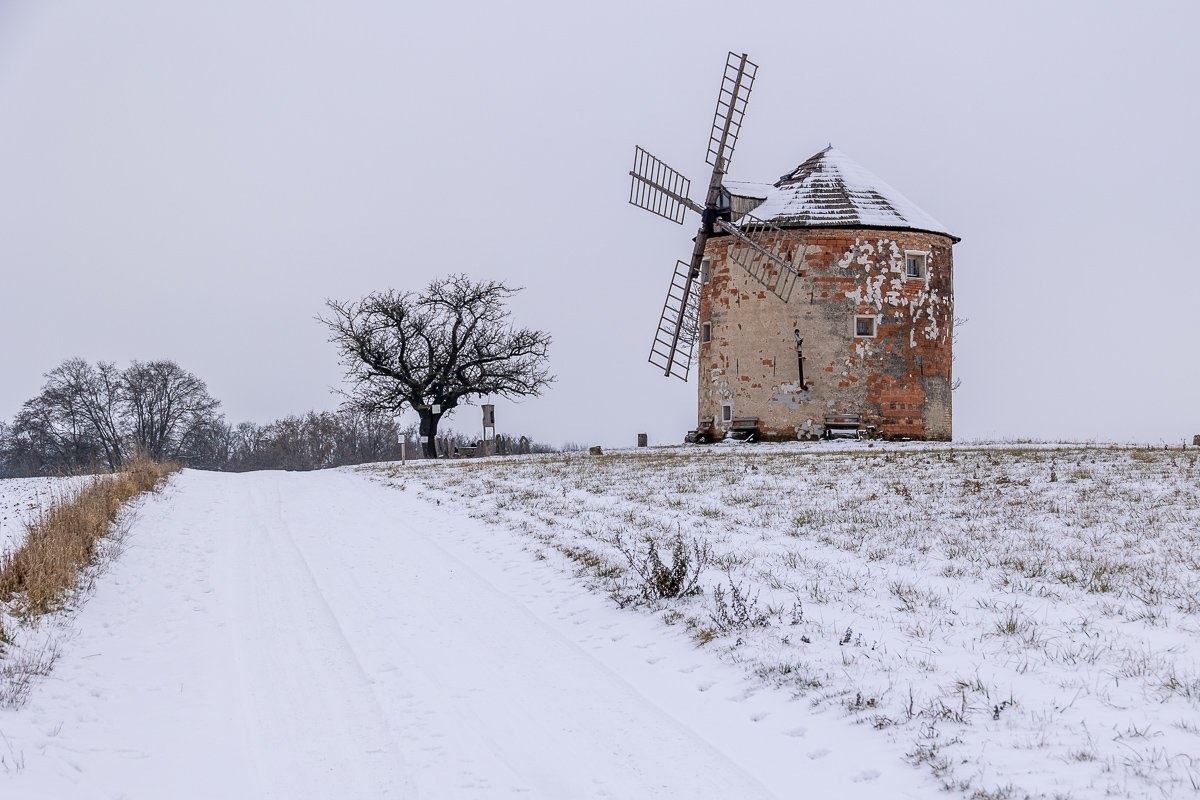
{"x": 914, "y": 265}
{"x": 864, "y": 327}
{"x": 705, "y": 270}
{"x": 726, "y": 412}
{"x": 705, "y": 332}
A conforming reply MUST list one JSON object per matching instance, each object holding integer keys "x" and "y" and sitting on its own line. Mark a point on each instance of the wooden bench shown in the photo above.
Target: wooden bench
{"x": 843, "y": 425}
{"x": 744, "y": 428}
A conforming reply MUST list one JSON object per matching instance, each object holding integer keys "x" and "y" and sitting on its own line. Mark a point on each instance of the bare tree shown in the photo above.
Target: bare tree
{"x": 210, "y": 447}
{"x": 432, "y": 350}
{"x": 168, "y": 407}
{"x": 76, "y": 419}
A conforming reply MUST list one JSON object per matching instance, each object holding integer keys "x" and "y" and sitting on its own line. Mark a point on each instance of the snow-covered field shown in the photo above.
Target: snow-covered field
{"x": 1022, "y": 621}
{"x": 873, "y": 621}
{"x": 33, "y": 646}
{"x": 317, "y": 635}
{"x": 20, "y": 500}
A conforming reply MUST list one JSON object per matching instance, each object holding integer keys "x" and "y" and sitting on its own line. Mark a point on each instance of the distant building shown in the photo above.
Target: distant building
{"x": 873, "y": 306}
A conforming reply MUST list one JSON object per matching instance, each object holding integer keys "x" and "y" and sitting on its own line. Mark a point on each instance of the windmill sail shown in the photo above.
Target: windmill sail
{"x": 662, "y": 190}
{"x": 761, "y": 256}
{"x": 658, "y": 188}
{"x": 731, "y": 109}
{"x": 675, "y": 339}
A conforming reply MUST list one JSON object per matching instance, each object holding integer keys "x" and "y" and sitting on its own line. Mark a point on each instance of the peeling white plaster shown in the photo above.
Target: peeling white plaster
{"x": 882, "y": 262}
{"x": 792, "y": 395}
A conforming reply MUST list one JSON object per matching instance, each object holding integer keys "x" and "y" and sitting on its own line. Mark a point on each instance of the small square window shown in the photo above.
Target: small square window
{"x": 914, "y": 265}
{"x": 705, "y": 332}
{"x": 705, "y": 270}
{"x": 864, "y": 327}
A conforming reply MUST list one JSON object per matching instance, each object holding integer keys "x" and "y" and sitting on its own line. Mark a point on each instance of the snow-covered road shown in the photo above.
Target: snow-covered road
{"x": 317, "y": 635}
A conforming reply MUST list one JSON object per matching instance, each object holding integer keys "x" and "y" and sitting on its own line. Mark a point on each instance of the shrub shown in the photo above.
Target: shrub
{"x": 61, "y": 541}
{"x": 653, "y": 579}
{"x": 738, "y": 612}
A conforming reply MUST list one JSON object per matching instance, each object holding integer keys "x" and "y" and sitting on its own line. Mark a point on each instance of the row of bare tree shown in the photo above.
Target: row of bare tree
{"x": 91, "y": 417}
{"x": 315, "y": 440}
{"x": 94, "y": 417}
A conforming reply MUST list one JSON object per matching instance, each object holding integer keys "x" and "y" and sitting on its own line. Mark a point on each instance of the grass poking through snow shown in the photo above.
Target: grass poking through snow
{"x": 62, "y": 545}
{"x": 61, "y": 540}
{"x": 1024, "y": 620}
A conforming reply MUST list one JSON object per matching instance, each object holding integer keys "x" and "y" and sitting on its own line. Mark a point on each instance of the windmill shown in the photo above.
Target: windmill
{"x": 662, "y": 190}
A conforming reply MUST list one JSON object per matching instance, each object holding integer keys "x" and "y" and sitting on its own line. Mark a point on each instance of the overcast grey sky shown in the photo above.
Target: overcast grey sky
{"x": 192, "y": 180}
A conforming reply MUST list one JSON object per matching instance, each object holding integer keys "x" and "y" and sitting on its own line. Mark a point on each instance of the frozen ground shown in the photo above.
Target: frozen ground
{"x": 20, "y": 499}
{"x": 873, "y": 621}
{"x": 319, "y": 635}
{"x": 1016, "y": 621}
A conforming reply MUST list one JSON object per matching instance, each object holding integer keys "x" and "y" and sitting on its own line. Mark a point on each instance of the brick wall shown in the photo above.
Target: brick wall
{"x": 899, "y": 379}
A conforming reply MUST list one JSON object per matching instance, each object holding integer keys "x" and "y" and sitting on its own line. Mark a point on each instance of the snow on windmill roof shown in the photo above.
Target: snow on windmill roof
{"x": 832, "y": 190}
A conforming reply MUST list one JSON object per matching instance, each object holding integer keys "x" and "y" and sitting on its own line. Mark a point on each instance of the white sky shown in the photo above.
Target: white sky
{"x": 192, "y": 180}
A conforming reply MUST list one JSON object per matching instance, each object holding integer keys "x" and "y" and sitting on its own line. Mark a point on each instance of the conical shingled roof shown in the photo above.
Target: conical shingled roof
{"x": 830, "y": 190}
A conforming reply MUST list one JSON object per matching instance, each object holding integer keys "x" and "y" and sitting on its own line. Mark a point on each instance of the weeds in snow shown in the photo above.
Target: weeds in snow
{"x": 737, "y": 613}
{"x": 63, "y": 539}
{"x": 65, "y": 544}
{"x": 1064, "y": 580}
{"x": 649, "y": 579}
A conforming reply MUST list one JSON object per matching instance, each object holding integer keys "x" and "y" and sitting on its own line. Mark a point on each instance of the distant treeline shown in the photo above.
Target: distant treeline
{"x": 95, "y": 417}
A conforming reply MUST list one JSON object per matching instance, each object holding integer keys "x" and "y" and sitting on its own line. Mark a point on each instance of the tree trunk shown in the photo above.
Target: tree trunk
{"x": 428, "y": 430}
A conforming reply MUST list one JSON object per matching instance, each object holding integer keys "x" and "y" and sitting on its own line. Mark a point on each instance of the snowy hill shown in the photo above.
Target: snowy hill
{"x": 1018, "y": 620}
{"x": 479, "y": 629}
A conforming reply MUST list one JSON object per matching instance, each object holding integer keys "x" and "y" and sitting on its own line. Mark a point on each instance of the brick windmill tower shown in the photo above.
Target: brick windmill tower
{"x": 821, "y": 304}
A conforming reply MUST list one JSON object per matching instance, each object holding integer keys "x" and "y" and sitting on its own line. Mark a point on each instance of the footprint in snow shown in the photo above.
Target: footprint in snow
{"x": 704, "y": 687}
{"x": 760, "y": 716}
{"x": 689, "y": 670}
{"x": 797, "y": 732}
{"x": 820, "y": 753}
{"x": 654, "y": 659}
{"x": 866, "y": 775}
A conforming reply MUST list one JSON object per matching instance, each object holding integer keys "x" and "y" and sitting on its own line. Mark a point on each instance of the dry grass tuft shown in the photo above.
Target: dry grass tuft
{"x": 61, "y": 541}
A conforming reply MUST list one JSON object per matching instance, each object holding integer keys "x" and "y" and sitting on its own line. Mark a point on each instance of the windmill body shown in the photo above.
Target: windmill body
{"x": 864, "y": 340}
{"x": 821, "y": 304}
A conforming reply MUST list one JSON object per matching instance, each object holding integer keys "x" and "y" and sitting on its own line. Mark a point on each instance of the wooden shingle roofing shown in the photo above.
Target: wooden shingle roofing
{"x": 832, "y": 190}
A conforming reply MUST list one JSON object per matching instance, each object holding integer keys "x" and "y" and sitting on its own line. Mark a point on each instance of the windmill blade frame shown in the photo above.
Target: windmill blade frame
{"x": 659, "y": 188}
{"x": 674, "y": 347}
{"x": 663, "y": 191}
{"x": 777, "y": 275}
{"x": 732, "y": 99}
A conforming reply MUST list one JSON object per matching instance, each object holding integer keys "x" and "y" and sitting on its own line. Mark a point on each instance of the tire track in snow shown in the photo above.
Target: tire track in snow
{"x": 496, "y": 702}
{"x": 302, "y": 681}
{"x": 316, "y": 635}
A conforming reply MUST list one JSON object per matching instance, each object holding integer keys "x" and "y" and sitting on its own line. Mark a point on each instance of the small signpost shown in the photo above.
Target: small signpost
{"x": 489, "y": 423}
